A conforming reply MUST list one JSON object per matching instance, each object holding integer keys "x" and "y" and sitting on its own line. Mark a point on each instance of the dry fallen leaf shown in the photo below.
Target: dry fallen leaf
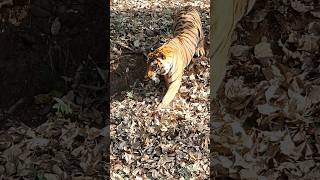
{"x": 56, "y": 26}
{"x": 263, "y": 49}
{"x": 267, "y": 109}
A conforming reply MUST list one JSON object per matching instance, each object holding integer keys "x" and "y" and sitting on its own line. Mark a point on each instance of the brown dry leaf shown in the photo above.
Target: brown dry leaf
{"x": 314, "y": 94}
{"x": 285, "y": 94}
{"x": 274, "y": 136}
{"x": 306, "y": 166}
{"x": 249, "y": 174}
{"x": 238, "y": 131}
{"x": 263, "y": 49}
{"x": 290, "y": 169}
{"x": 301, "y": 103}
{"x": 258, "y": 16}
{"x": 277, "y": 73}
{"x": 299, "y": 6}
{"x": 234, "y": 88}
{"x": 240, "y": 161}
{"x": 37, "y": 143}
{"x": 56, "y": 26}
{"x": 314, "y": 28}
{"x": 267, "y": 109}
{"x": 271, "y": 92}
{"x": 309, "y": 43}
{"x": 50, "y": 176}
{"x": 288, "y": 148}
{"x": 225, "y": 161}
{"x": 313, "y": 174}
{"x": 316, "y": 13}
{"x": 239, "y": 50}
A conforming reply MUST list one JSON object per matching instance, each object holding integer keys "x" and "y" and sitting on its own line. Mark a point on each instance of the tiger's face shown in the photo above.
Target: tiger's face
{"x": 157, "y": 64}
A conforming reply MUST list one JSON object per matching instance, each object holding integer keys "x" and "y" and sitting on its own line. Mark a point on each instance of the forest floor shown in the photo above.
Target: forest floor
{"x": 53, "y": 87}
{"x": 270, "y": 123}
{"x": 145, "y": 143}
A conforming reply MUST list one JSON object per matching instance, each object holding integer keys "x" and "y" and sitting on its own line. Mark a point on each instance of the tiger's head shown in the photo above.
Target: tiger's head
{"x": 159, "y": 62}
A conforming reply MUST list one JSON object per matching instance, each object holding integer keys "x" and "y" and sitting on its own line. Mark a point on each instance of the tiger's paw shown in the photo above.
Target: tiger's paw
{"x": 162, "y": 106}
{"x": 200, "y": 52}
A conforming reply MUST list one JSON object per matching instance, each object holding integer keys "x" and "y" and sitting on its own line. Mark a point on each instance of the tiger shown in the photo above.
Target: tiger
{"x": 170, "y": 59}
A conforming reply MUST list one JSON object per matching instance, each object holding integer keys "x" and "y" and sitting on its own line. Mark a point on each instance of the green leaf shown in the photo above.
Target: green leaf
{"x": 130, "y": 95}
{"x": 62, "y": 107}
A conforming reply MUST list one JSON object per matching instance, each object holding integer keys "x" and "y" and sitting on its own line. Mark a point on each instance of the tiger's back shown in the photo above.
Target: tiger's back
{"x": 187, "y": 28}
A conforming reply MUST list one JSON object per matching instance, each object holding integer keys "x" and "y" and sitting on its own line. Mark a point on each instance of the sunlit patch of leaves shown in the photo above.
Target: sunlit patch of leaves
{"x": 149, "y": 144}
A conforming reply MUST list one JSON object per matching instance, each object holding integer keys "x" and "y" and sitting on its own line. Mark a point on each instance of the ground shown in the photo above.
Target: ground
{"x": 145, "y": 143}
{"x": 268, "y": 124}
{"x": 53, "y": 90}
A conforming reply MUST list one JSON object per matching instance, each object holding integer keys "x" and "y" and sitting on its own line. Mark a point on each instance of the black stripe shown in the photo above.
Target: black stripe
{"x": 179, "y": 25}
{"x": 191, "y": 32}
{"x": 172, "y": 81}
{"x": 190, "y": 46}
{"x": 189, "y": 38}
{"x": 172, "y": 73}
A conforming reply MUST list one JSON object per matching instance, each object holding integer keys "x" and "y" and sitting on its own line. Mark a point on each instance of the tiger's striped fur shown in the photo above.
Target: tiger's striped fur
{"x": 172, "y": 57}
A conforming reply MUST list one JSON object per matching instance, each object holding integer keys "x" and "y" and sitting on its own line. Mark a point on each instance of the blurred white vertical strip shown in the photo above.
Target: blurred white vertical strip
{"x": 225, "y": 14}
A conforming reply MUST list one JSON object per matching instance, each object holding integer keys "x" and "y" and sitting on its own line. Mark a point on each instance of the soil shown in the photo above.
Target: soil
{"x": 36, "y": 59}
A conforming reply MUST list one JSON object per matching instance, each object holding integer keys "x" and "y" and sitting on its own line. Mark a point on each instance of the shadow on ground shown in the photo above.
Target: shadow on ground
{"x": 33, "y": 60}
{"x": 131, "y": 69}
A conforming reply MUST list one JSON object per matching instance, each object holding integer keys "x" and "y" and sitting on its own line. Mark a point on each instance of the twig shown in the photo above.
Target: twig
{"x": 123, "y": 45}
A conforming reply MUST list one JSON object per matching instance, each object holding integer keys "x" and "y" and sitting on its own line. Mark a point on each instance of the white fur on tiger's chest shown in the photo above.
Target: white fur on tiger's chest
{"x": 166, "y": 67}
{"x": 155, "y": 79}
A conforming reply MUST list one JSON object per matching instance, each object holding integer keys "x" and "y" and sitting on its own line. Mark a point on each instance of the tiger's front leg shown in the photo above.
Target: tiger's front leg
{"x": 200, "y": 51}
{"x": 171, "y": 92}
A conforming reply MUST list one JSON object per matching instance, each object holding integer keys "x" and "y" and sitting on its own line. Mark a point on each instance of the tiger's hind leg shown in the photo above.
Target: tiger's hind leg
{"x": 200, "y": 51}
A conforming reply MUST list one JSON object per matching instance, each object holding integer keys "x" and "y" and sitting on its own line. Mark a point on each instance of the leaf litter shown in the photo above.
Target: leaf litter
{"x": 273, "y": 132}
{"x": 170, "y": 143}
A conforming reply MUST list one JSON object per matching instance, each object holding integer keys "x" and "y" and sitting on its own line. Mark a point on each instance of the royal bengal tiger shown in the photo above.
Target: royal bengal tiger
{"x": 171, "y": 58}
